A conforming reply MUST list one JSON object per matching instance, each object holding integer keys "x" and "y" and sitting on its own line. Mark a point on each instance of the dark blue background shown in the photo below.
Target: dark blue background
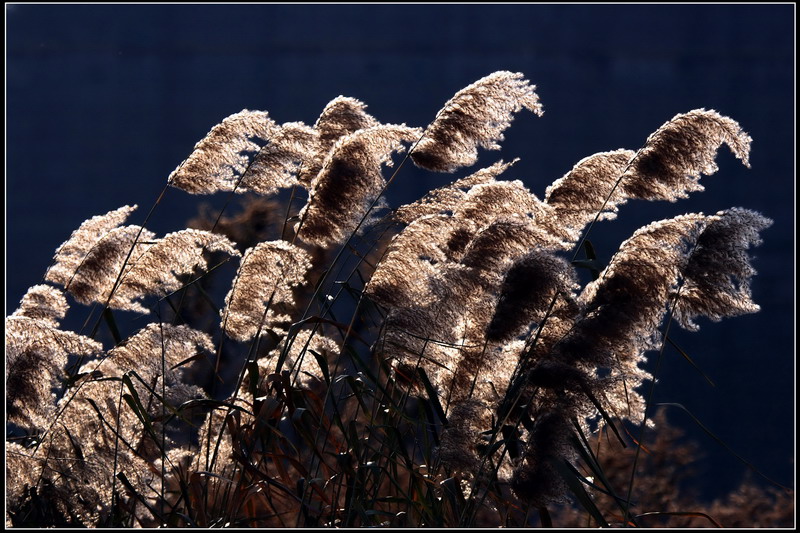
{"x": 103, "y": 102}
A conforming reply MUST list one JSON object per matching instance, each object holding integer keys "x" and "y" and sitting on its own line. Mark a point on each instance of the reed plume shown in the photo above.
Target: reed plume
{"x": 680, "y": 151}
{"x": 221, "y": 158}
{"x": 341, "y": 117}
{"x": 261, "y": 294}
{"x": 123, "y": 265}
{"x": 350, "y": 181}
{"x": 624, "y": 307}
{"x": 163, "y": 263}
{"x": 589, "y": 189}
{"x": 88, "y": 263}
{"x": 45, "y": 303}
{"x": 276, "y": 164}
{"x": 475, "y": 117}
{"x": 717, "y": 276}
{"x": 528, "y": 287}
{"x": 37, "y": 352}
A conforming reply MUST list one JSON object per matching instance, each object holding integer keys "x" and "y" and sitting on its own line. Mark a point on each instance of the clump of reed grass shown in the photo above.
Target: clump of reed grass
{"x": 438, "y": 364}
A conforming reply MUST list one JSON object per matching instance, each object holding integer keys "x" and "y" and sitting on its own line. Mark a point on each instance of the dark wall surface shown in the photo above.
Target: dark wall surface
{"x": 104, "y": 101}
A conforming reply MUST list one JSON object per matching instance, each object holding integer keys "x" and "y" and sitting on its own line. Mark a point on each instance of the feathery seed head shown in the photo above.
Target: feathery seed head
{"x": 475, "y": 117}
{"x": 220, "y": 159}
